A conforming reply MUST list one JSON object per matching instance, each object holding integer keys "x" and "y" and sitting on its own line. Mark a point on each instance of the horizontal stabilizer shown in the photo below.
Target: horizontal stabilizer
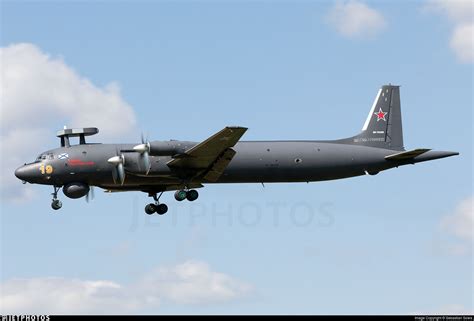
{"x": 407, "y": 155}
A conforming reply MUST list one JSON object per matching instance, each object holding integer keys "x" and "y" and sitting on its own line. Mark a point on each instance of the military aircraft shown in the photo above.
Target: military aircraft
{"x": 155, "y": 167}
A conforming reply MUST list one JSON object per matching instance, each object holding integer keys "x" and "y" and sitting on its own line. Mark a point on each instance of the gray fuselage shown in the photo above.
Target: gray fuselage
{"x": 255, "y": 162}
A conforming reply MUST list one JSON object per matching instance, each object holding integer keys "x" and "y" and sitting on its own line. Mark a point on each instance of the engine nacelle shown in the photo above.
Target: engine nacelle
{"x": 169, "y": 148}
{"x": 76, "y": 190}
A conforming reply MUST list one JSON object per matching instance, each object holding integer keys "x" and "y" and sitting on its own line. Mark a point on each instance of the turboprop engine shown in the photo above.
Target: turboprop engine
{"x": 168, "y": 148}
{"x": 127, "y": 160}
{"x": 159, "y": 148}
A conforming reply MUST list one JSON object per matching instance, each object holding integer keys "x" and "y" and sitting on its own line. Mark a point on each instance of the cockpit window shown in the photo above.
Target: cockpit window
{"x": 44, "y": 157}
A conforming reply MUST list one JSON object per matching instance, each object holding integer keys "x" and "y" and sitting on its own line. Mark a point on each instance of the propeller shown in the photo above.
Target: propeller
{"x": 144, "y": 150}
{"x": 119, "y": 162}
{"x": 91, "y": 195}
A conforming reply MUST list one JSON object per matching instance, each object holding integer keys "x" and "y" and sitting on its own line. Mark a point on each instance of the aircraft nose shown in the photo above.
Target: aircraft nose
{"x": 26, "y": 173}
{"x": 21, "y": 173}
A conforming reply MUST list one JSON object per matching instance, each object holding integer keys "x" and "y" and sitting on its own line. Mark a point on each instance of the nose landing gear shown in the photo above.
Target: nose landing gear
{"x": 158, "y": 208}
{"x": 55, "y": 203}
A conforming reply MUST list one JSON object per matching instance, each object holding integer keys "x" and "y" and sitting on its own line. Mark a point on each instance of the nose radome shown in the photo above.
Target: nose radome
{"x": 20, "y": 173}
{"x": 28, "y": 173}
{"x": 31, "y": 173}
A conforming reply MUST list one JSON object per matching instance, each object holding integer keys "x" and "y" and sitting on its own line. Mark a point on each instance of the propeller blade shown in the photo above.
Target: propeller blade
{"x": 114, "y": 175}
{"x": 146, "y": 162}
{"x": 121, "y": 173}
{"x": 144, "y": 150}
{"x": 91, "y": 195}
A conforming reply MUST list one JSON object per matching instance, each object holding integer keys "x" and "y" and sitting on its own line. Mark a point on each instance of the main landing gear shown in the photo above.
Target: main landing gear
{"x": 190, "y": 195}
{"x": 55, "y": 203}
{"x": 158, "y": 208}
{"x": 161, "y": 209}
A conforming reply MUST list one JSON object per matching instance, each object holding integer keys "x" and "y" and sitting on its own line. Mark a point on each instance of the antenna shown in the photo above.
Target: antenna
{"x": 65, "y": 134}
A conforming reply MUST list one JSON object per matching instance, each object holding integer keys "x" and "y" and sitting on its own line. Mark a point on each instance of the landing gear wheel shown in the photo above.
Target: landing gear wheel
{"x": 157, "y": 207}
{"x": 180, "y": 195}
{"x": 192, "y": 195}
{"x": 150, "y": 209}
{"x": 161, "y": 209}
{"x": 56, "y": 205}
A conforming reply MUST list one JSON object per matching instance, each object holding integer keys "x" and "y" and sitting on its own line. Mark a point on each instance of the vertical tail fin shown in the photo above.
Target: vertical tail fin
{"x": 383, "y": 127}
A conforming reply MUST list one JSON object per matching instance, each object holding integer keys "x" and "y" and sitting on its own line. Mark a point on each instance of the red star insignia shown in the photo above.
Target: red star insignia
{"x": 380, "y": 115}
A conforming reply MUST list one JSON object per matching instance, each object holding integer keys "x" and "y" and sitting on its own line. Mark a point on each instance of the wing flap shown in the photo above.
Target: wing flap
{"x": 220, "y": 165}
{"x": 206, "y": 153}
{"x": 407, "y": 155}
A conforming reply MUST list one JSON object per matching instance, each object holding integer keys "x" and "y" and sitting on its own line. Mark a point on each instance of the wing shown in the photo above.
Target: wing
{"x": 407, "y": 155}
{"x": 211, "y": 156}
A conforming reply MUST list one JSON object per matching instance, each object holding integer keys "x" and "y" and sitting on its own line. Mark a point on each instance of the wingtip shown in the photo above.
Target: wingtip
{"x": 237, "y": 128}
{"x": 449, "y": 154}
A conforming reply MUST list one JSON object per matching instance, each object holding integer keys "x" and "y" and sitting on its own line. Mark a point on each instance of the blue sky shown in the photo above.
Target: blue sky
{"x": 396, "y": 243}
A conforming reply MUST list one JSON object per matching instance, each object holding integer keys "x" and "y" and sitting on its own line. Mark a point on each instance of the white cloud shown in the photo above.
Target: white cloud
{"x": 461, "y": 15}
{"x": 462, "y": 42}
{"x": 455, "y": 236}
{"x": 455, "y": 10}
{"x": 39, "y": 90}
{"x": 39, "y": 94}
{"x": 461, "y": 222}
{"x": 63, "y": 296}
{"x": 192, "y": 282}
{"x": 443, "y": 246}
{"x": 355, "y": 19}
